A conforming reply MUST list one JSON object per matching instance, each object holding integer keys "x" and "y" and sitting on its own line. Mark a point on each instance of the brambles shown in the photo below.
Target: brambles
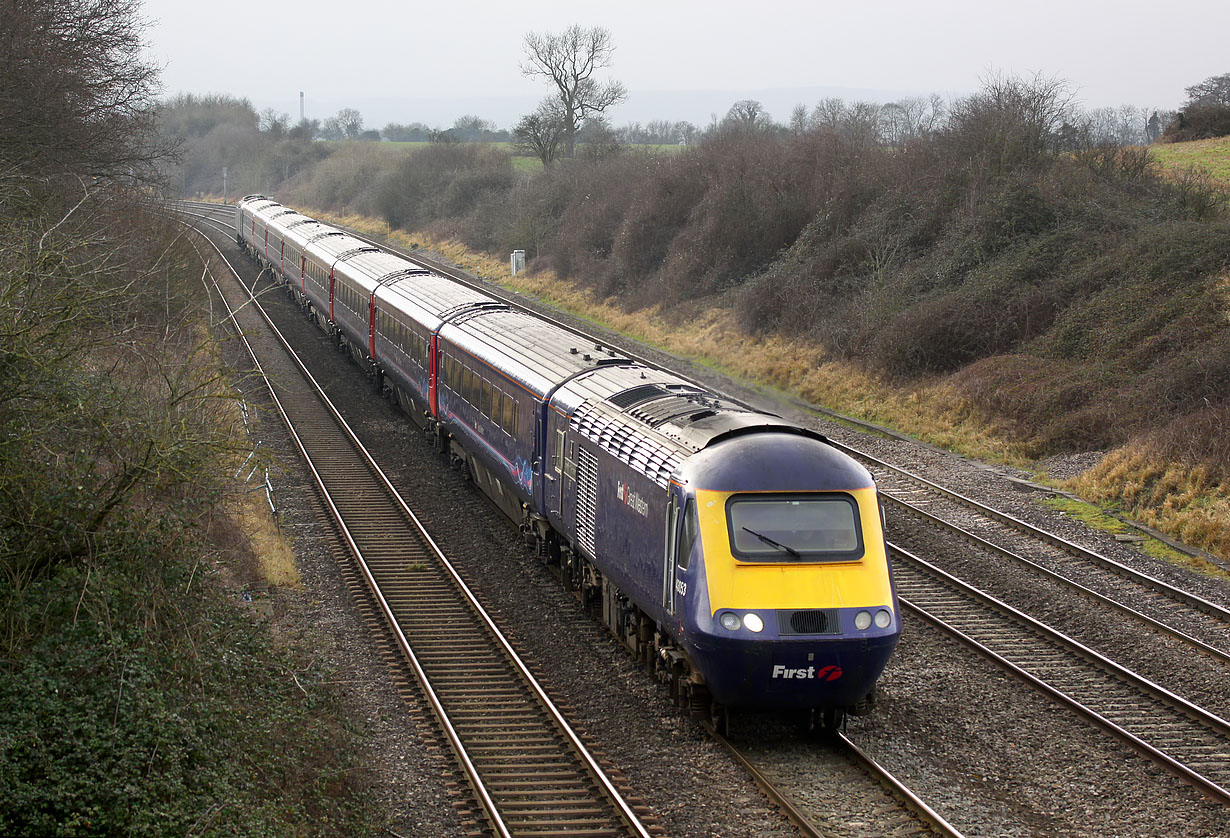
{"x": 1070, "y": 292}
{"x": 138, "y": 699}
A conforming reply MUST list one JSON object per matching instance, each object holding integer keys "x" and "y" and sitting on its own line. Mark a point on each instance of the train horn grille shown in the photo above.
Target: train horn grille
{"x": 815, "y": 621}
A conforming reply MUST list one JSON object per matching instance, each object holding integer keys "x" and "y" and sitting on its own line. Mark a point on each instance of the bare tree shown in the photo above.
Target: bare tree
{"x": 798, "y": 119}
{"x": 472, "y": 129}
{"x": 747, "y": 113}
{"x": 275, "y": 123}
{"x": 1012, "y": 120}
{"x": 911, "y": 118}
{"x": 568, "y": 61}
{"x": 1215, "y": 90}
{"x": 351, "y": 123}
{"x": 76, "y": 96}
{"x": 828, "y": 113}
{"x": 541, "y": 133}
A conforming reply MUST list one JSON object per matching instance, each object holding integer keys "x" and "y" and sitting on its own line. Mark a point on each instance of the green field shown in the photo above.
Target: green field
{"x": 521, "y": 162}
{"x": 1210, "y": 156}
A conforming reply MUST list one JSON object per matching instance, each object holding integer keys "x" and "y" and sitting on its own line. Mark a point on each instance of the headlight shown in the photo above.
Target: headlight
{"x": 729, "y": 621}
{"x": 883, "y": 618}
{"x": 753, "y": 622}
{"x": 862, "y": 620}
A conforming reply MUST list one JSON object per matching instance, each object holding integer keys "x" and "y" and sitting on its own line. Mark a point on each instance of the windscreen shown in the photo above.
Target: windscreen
{"x": 786, "y": 528}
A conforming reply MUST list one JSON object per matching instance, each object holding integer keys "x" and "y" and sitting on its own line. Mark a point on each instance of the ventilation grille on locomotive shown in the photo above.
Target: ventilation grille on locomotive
{"x": 814, "y": 621}
{"x": 587, "y": 499}
{"x": 635, "y": 395}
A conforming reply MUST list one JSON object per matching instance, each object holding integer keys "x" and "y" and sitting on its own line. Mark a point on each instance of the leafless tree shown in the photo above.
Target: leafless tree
{"x": 351, "y": 122}
{"x": 275, "y": 123}
{"x": 748, "y": 113}
{"x": 76, "y": 97}
{"x": 472, "y": 128}
{"x": 798, "y": 119}
{"x": 660, "y": 131}
{"x": 1215, "y": 90}
{"x": 911, "y": 118}
{"x": 568, "y": 61}
{"x": 1012, "y": 121}
{"x": 542, "y": 132}
{"x": 828, "y": 113}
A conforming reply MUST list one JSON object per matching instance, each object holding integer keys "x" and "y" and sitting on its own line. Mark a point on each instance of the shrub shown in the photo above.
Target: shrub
{"x": 1199, "y": 122}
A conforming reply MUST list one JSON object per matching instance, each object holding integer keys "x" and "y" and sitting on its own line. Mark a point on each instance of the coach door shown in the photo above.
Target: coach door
{"x": 669, "y": 559}
{"x": 331, "y": 268}
{"x": 433, "y": 375}
{"x": 554, "y": 471}
{"x": 682, "y": 529}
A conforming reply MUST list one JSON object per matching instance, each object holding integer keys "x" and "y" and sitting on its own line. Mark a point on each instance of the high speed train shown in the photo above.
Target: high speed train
{"x": 737, "y": 555}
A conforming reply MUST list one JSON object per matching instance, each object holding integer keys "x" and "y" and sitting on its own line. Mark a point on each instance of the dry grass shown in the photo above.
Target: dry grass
{"x": 932, "y": 412}
{"x": 1170, "y": 499}
{"x": 275, "y": 559}
{"x": 263, "y": 550}
{"x": 1178, "y": 500}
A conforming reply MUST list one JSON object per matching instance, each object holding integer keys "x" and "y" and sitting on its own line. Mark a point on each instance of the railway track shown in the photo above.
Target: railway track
{"x": 856, "y": 788}
{"x": 1175, "y": 732}
{"x": 529, "y": 772}
{"x": 1186, "y": 616}
{"x": 500, "y": 715}
{"x": 1181, "y": 736}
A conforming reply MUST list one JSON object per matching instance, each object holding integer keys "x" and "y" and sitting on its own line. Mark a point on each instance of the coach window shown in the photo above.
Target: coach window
{"x": 510, "y": 414}
{"x": 484, "y": 403}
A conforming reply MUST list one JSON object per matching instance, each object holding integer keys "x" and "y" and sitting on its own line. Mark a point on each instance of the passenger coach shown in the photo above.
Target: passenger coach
{"x": 740, "y": 557}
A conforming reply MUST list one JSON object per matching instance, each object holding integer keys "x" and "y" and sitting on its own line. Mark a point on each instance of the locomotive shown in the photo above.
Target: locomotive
{"x": 738, "y": 556}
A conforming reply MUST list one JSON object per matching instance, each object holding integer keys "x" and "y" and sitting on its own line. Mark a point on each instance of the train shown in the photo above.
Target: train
{"x": 738, "y": 556}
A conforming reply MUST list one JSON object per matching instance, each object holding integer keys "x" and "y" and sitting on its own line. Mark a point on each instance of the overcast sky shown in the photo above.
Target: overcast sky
{"x": 680, "y": 59}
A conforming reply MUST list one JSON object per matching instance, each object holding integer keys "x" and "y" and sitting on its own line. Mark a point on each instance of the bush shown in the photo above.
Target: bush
{"x": 1199, "y": 122}
{"x": 138, "y": 699}
{"x": 440, "y": 183}
{"x": 116, "y": 724}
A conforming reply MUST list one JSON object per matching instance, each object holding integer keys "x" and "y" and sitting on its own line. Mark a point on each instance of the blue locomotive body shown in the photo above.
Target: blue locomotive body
{"x": 740, "y": 557}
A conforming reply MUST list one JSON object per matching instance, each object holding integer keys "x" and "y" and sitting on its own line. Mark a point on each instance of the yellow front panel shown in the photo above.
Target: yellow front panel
{"x": 738, "y": 584}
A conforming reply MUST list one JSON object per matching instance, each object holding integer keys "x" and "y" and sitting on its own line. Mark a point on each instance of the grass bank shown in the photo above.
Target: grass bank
{"x": 1209, "y": 156}
{"x": 1137, "y": 479}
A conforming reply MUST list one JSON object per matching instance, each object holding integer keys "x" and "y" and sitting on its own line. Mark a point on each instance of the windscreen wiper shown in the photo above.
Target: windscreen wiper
{"x": 782, "y": 547}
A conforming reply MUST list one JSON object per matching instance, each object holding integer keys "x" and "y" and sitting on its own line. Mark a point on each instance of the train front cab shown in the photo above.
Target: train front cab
{"x": 781, "y": 586}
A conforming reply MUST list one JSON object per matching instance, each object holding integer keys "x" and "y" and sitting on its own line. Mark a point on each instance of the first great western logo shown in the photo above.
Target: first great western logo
{"x": 631, "y": 499}
{"x": 808, "y": 673}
